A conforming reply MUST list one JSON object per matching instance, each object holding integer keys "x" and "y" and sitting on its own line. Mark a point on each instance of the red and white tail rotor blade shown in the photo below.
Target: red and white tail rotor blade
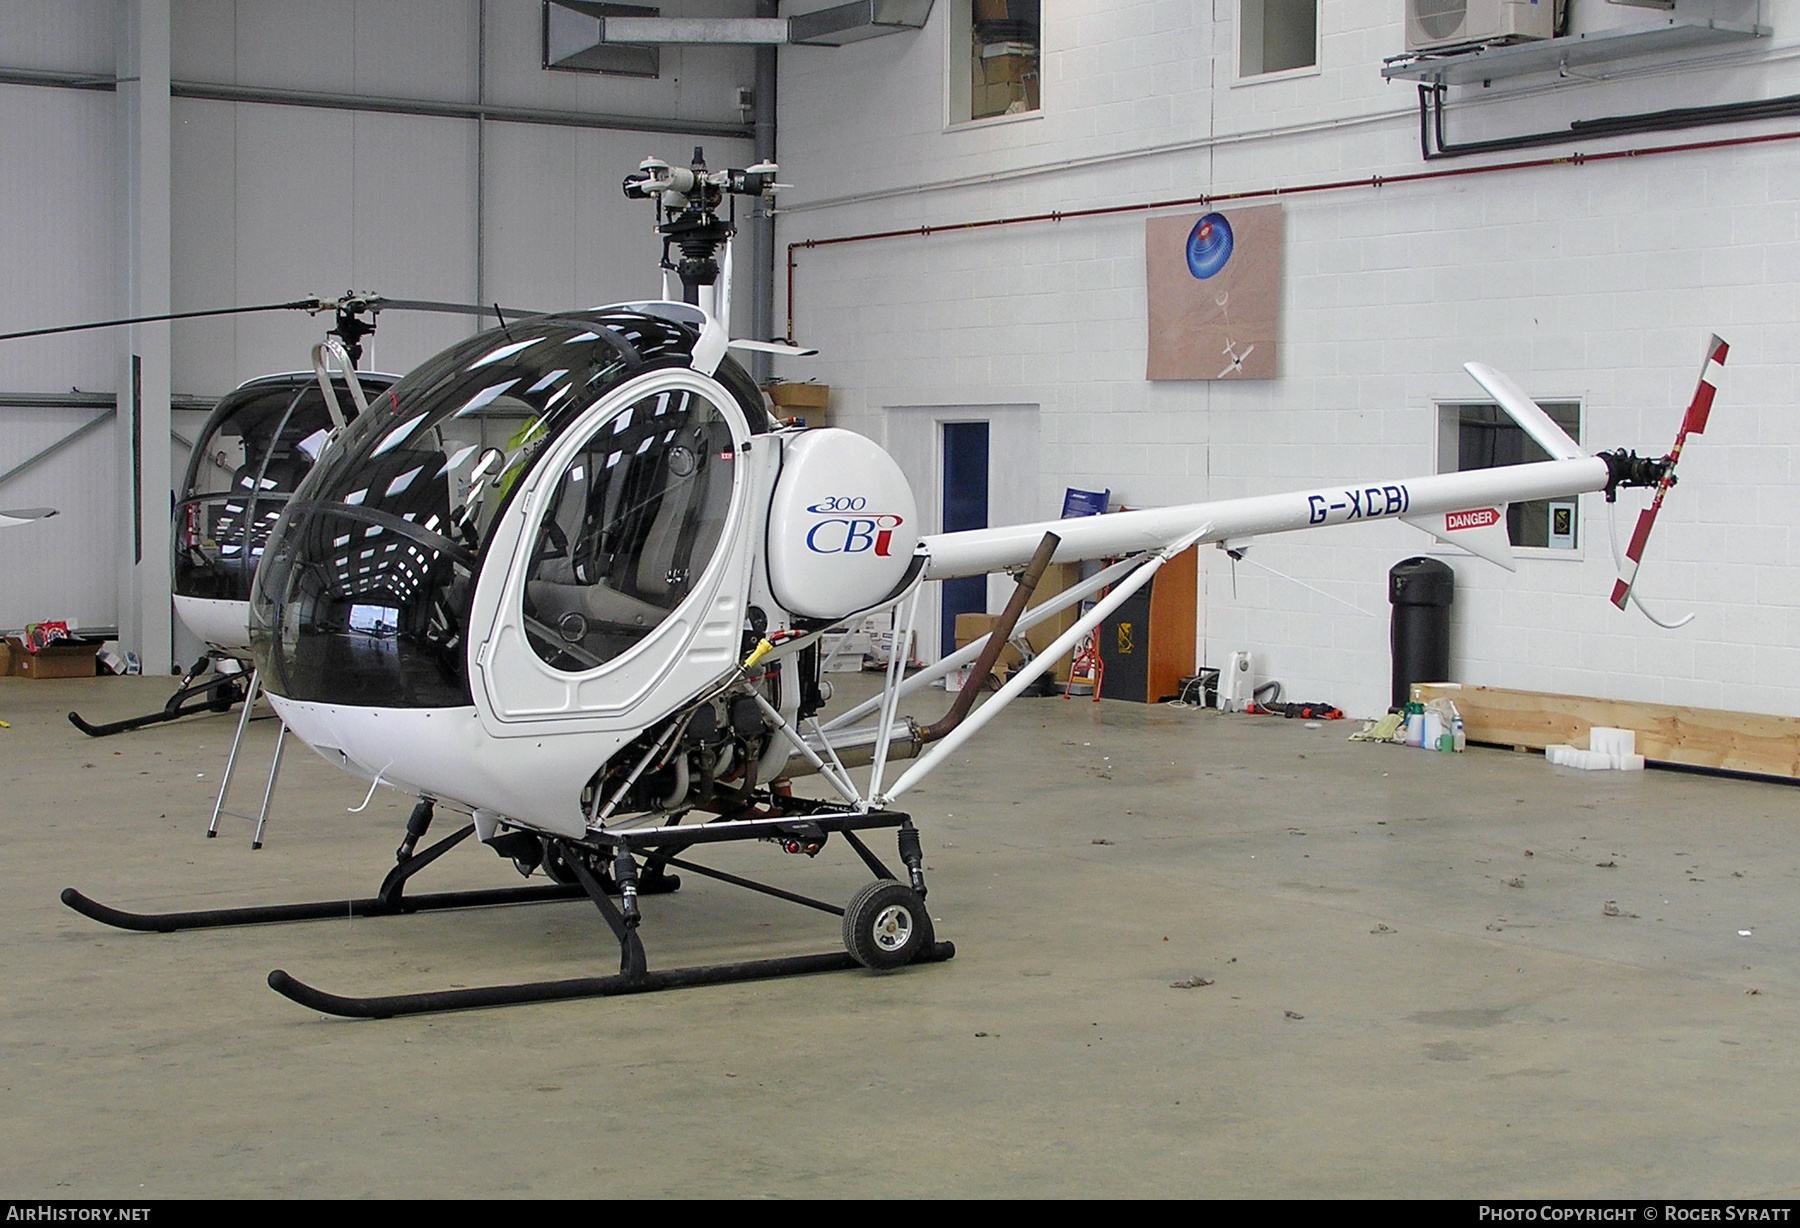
{"x": 1692, "y": 423}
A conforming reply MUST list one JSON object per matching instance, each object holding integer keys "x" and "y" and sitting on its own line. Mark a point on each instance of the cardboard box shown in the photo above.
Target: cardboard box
{"x": 1004, "y": 69}
{"x": 64, "y": 659}
{"x": 998, "y": 99}
{"x": 1057, "y": 577}
{"x": 843, "y": 651}
{"x": 971, "y": 627}
{"x": 800, "y": 396}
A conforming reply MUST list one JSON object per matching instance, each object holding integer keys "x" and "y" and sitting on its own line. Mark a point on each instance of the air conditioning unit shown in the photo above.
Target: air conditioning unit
{"x": 1432, "y": 25}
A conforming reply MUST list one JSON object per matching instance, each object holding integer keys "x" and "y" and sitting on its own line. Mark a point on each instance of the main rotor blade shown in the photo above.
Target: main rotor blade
{"x": 377, "y": 303}
{"x": 305, "y": 304}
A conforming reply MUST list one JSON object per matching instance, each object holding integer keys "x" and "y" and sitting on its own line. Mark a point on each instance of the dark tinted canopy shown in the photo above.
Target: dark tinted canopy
{"x": 259, "y": 442}
{"x": 365, "y": 593}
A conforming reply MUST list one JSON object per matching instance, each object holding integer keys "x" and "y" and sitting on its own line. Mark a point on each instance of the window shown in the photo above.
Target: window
{"x": 1481, "y": 436}
{"x": 1001, "y": 43}
{"x": 1277, "y": 36}
{"x": 636, "y": 518}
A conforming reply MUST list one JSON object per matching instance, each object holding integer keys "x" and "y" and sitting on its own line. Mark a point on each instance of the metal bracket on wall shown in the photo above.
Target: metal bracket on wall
{"x": 104, "y": 402}
{"x": 92, "y": 424}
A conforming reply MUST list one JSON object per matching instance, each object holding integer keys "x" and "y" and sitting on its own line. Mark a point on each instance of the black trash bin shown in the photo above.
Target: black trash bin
{"x": 1420, "y": 591}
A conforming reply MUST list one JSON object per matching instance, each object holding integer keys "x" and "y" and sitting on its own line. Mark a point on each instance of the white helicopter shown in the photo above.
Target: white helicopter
{"x": 258, "y": 441}
{"x": 600, "y": 639}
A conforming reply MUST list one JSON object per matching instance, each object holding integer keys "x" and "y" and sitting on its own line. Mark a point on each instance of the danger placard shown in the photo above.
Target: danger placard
{"x": 1478, "y": 518}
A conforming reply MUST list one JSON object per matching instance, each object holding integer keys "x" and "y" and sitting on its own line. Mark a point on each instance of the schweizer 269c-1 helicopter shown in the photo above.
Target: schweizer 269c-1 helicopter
{"x": 599, "y": 638}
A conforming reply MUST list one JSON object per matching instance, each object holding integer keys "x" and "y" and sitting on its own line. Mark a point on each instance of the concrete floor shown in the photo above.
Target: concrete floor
{"x": 1416, "y": 988}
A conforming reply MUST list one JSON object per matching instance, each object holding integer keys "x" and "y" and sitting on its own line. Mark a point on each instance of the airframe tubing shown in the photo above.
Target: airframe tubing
{"x": 898, "y": 654}
{"x": 780, "y": 725}
{"x": 996, "y": 638}
{"x": 1149, "y": 565}
{"x": 1049, "y": 608}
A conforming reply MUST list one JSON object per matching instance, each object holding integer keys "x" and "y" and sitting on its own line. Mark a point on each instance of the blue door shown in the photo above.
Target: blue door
{"x": 965, "y": 507}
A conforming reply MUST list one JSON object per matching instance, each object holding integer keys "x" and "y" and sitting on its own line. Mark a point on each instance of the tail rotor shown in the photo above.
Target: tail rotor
{"x": 1692, "y": 423}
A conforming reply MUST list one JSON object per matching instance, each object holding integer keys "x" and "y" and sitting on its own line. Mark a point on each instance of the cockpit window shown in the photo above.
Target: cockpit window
{"x": 365, "y": 592}
{"x": 252, "y": 454}
{"x": 634, "y": 521}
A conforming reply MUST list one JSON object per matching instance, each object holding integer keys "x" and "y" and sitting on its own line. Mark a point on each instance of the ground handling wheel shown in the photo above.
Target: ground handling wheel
{"x": 886, "y": 925}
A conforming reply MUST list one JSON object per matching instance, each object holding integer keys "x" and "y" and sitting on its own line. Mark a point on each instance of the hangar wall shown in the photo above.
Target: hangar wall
{"x": 1589, "y": 280}
{"x": 59, "y": 262}
{"x": 272, "y": 202}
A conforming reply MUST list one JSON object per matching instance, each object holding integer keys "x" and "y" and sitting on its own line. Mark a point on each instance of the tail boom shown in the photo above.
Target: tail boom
{"x": 973, "y": 552}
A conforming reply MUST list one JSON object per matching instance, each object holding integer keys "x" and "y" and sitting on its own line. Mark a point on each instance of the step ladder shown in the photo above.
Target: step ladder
{"x": 261, "y": 817}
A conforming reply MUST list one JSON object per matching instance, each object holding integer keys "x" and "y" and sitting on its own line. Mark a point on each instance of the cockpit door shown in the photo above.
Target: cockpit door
{"x": 613, "y": 586}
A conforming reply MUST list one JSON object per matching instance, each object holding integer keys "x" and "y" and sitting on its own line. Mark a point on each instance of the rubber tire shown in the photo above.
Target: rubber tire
{"x": 870, "y": 933}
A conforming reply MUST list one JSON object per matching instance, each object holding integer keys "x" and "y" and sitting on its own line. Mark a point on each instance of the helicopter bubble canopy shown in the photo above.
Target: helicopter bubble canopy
{"x": 257, "y": 445}
{"x": 365, "y": 595}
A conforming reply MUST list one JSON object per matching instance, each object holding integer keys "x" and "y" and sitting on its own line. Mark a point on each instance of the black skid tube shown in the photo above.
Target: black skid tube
{"x": 322, "y": 910}
{"x": 220, "y": 694}
{"x": 581, "y": 987}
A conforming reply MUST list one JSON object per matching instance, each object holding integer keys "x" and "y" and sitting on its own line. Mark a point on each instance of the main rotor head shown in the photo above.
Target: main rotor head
{"x": 688, "y": 200}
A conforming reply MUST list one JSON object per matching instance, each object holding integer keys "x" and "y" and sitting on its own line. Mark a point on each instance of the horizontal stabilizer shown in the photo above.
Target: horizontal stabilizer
{"x": 1526, "y": 412}
{"x": 770, "y": 347}
{"x": 1479, "y": 530}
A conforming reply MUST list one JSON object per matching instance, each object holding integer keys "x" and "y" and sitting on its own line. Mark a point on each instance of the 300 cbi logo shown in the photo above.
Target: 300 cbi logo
{"x": 851, "y": 534}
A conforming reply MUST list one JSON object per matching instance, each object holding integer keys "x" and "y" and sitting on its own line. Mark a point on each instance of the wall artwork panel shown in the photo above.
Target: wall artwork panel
{"x": 1214, "y": 290}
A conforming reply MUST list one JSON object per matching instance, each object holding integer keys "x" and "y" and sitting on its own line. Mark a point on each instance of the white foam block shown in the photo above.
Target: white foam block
{"x": 1609, "y": 741}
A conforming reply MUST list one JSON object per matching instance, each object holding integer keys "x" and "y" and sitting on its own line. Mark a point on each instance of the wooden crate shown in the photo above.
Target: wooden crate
{"x": 1666, "y": 733}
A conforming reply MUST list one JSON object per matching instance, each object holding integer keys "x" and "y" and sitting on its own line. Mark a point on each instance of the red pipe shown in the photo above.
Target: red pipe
{"x": 1334, "y": 185}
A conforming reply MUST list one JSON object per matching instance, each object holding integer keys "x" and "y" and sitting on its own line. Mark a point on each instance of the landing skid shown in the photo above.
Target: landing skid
{"x": 389, "y": 901}
{"x": 220, "y": 693}
{"x": 885, "y": 924}
{"x": 582, "y": 987}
